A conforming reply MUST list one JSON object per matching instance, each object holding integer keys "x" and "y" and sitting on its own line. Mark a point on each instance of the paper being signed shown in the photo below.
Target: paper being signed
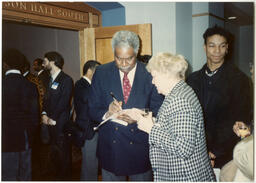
{"x": 134, "y": 113}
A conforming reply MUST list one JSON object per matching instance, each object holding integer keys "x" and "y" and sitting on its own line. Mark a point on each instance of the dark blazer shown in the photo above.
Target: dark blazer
{"x": 57, "y": 104}
{"x": 230, "y": 102}
{"x": 81, "y": 97}
{"x": 20, "y": 110}
{"x": 122, "y": 150}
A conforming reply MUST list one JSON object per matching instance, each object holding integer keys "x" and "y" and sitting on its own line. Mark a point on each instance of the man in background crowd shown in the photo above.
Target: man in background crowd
{"x": 89, "y": 168}
{"x": 56, "y": 113}
{"x": 41, "y": 72}
{"x": 224, "y": 93}
{"x": 20, "y": 110}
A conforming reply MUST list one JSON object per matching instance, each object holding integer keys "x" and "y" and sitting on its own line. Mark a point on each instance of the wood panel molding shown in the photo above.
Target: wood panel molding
{"x": 66, "y": 15}
{"x": 208, "y": 14}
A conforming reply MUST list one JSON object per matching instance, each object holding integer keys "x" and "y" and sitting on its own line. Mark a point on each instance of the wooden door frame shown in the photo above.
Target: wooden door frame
{"x": 65, "y": 15}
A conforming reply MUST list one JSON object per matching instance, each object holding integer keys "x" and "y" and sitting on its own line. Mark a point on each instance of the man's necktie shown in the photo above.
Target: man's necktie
{"x": 126, "y": 87}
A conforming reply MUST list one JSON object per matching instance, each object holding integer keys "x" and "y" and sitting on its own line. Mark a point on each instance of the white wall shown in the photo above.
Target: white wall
{"x": 184, "y": 31}
{"x": 35, "y": 41}
{"x": 162, "y": 17}
{"x": 200, "y": 24}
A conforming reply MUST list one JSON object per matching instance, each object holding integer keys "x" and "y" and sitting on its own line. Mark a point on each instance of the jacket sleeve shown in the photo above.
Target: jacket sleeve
{"x": 180, "y": 139}
{"x": 239, "y": 110}
{"x": 82, "y": 111}
{"x": 96, "y": 106}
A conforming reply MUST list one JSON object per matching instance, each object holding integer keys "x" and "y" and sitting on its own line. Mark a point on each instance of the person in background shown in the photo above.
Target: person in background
{"x": 123, "y": 151}
{"x": 240, "y": 169}
{"x": 89, "y": 167}
{"x": 144, "y": 58}
{"x": 224, "y": 93}
{"x": 20, "y": 118}
{"x": 56, "y": 113}
{"x": 37, "y": 161}
{"x": 176, "y": 137}
{"x": 37, "y": 81}
{"x": 41, "y": 73}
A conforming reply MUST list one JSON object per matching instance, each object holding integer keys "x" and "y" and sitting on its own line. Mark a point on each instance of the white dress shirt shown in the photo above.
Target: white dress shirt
{"x": 54, "y": 76}
{"x": 130, "y": 75}
{"x": 87, "y": 79}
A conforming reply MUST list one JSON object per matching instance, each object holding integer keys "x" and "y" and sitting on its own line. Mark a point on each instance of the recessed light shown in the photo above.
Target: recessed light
{"x": 231, "y": 18}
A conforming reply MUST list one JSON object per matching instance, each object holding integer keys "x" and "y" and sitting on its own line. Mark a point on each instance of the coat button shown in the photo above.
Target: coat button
{"x": 114, "y": 141}
{"x": 132, "y": 130}
{"x": 131, "y": 143}
{"x": 116, "y": 128}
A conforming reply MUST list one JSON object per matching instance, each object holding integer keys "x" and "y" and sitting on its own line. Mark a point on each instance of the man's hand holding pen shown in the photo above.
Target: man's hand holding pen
{"x": 115, "y": 107}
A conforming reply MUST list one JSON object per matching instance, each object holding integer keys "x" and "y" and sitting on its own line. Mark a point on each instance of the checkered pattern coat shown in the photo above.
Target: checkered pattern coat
{"x": 177, "y": 140}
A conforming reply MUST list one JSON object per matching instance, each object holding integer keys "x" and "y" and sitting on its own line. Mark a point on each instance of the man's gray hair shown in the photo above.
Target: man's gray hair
{"x": 126, "y": 39}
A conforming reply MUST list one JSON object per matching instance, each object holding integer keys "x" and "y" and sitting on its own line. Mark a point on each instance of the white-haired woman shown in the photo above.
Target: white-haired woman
{"x": 177, "y": 137}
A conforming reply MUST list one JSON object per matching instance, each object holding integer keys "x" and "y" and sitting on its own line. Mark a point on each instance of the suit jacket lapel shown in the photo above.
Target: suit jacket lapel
{"x": 116, "y": 83}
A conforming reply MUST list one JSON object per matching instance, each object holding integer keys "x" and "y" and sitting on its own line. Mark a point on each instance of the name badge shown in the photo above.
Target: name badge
{"x": 55, "y": 85}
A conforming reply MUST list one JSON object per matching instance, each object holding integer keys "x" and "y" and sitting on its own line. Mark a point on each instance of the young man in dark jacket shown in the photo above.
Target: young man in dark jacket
{"x": 224, "y": 93}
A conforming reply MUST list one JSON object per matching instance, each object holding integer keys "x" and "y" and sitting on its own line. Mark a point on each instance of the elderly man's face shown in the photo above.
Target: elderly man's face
{"x": 125, "y": 58}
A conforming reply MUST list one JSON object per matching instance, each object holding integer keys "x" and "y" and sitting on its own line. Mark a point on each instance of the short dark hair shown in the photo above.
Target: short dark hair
{"x": 216, "y": 30}
{"x": 14, "y": 59}
{"x": 144, "y": 58}
{"x": 56, "y": 58}
{"x": 90, "y": 64}
{"x": 39, "y": 61}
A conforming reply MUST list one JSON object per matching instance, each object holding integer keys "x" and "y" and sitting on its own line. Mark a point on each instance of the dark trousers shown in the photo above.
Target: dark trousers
{"x": 60, "y": 156}
{"x": 89, "y": 167}
{"x": 109, "y": 176}
{"x": 16, "y": 166}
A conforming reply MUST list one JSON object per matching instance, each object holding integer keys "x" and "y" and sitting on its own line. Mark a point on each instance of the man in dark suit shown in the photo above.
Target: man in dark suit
{"x": 123, "y": 150}
{"x": 56, "y": 113}
{"x": 20, "y": 110}
{"x": 89, "y": 168}
{"x": 37, "y": 146}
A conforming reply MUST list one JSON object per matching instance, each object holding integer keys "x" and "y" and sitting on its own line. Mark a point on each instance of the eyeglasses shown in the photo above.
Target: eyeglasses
{"x": 129, "y": 59}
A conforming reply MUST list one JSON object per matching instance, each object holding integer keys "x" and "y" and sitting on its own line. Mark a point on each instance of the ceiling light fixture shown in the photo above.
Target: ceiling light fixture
{"x": 231, "y": 18}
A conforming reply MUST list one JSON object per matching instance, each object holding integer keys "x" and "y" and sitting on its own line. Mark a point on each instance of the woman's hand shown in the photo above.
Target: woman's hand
{"x": 145, "y": 122}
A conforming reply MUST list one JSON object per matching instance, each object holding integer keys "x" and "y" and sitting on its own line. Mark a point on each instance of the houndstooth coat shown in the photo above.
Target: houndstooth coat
{"x": 177, "y": 139}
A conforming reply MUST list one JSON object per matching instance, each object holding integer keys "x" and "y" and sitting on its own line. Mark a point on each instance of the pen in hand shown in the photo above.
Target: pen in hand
{"x": 116, "y": 102}
{"x": 113, "y": 96}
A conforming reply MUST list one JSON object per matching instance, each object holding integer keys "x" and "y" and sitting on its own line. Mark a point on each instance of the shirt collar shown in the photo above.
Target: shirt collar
{"x": 132, "y": 72}
{"x": 40, "y": 72}
{"x": 54, "y": 76}
{"x": 87, "y": 79}
{"x": 12, "y": 71}
{"x": 26, "y": 73}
